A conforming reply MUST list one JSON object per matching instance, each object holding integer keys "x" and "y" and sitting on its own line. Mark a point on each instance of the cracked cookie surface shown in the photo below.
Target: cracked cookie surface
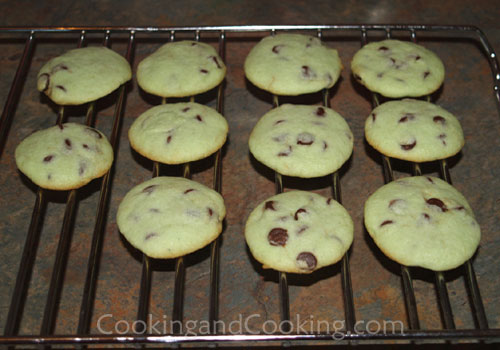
{"x": 168, "y": 217}
{"x": 64, "y": 157}
{"x": 414, "y": 130}
{"x": 292, "y": 64}
{"x": 302, "y": 140}
{"x": 180, "y": 69}
{"x": 398, "y": 69}
{"x": 422, "y": 221}
{"x": 178, "y": 133}
{"x": 298, "y": 231}
{"x": 83, "y": 75}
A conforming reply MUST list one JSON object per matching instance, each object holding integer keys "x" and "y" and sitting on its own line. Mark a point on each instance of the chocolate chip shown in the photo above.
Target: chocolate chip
{"x": 150, "y": 235}
{"x": 306, "y": 261}
{"x": 439, "y": 119}
{"x": 320, "y": 112}
{"x": 459, "y": 208}
{"x": 386, "y": 222}
{"x": 301, "y": 210}
{"x": 94, "y": 132}
{"x": 325, "y": 145}
{"x": 210, "y": 212}
{"x": 407, "y": 117}
{"x": 67, "y": 142}
{"x": 199, "y": 118}
{"x": 307, "y": 72}
{"x": 426, "y": 216}
{"x": 82, "y": 168}
{"x": 438, "y": 203}
{"x": 277, "y": 236}
{"x": 277, "y": 48}
{"x": 393, "y": 202}
{"x": 189, "y": 190}
{"x": 279, "y": 122}
{"x": 302, "y": 229}
{"x": 429, "y": 179}
{"x": 392, "y": 60}
{"x": 58, "y": 67}
{"x": 204, "y": 71}
{"x": 269, "y": 205}
{"x": 426, "y": 74}
{"x": 60, "y": 87}
{"x": 60, "y": 126}
{"x": 216, "y": 62}
{"x": 285, "y": 153}
{"x": 185, "y": 109}
{"x": 383, "y": 48}
{"x": 417, "y": 58}
{"x": 148, "y": 189}
{"x": 374, "y": 116}
{"x": 169, "y": 138}
{"x": 85, "y": 146}
{"x": 280, "y": 138}
{"x": 408, "y": 146}
{"x": 329, "y": 200}
{"x": 442, "y": 137}
{"x": 305, "y": 139}
{"x": 48, "y": 158}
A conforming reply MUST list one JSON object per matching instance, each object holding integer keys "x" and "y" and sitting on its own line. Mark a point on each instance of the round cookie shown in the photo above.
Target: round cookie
{"x": 292, "y": 64}
{"x": 414, "y": 130}
{"x": 397, "y": 69}
{"x": 180, "y": 69}
{"x": 64, "y": 157}
{"x": 299, "y": 232}
{"x": 168, "y": 217}
{"x": 302, "y": 140}
{"x": 178, "y": 133}
{"x": 422, "y": 221}
{"x": 83, "y": 75}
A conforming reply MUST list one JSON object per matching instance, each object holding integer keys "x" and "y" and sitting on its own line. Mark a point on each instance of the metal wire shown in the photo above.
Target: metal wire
{"x": 98, "y": 235}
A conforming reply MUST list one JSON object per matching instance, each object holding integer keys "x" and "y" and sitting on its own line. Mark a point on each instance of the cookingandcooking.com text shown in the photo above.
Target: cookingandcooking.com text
{"x": 246, "y": 325}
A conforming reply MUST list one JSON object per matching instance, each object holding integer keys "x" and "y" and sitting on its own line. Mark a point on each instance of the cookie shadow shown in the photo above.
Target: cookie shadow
{"x": 314, "y": 98}
{"x": 208, "y": 98}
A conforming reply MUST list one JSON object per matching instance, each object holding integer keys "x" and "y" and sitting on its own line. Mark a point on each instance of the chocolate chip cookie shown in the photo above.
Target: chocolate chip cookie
{"x": 168, "y": 217}
{"x": 422, "y": 221}
{"x": 299, "y": 232}
{"x": 64, "y": 157}
{"x": 83, "y": 75}
{"x": 180, "y": 69}
{"x": 414, "y": 130}
{"x": 396, "y": 69}
{"x": 302, "y": 140}
{"x": 292, "y": 64}
{"x": 178, "y": 133}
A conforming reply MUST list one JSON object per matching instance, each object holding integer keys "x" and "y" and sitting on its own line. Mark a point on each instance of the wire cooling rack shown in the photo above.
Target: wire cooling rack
{"x": 284, "y": 335}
